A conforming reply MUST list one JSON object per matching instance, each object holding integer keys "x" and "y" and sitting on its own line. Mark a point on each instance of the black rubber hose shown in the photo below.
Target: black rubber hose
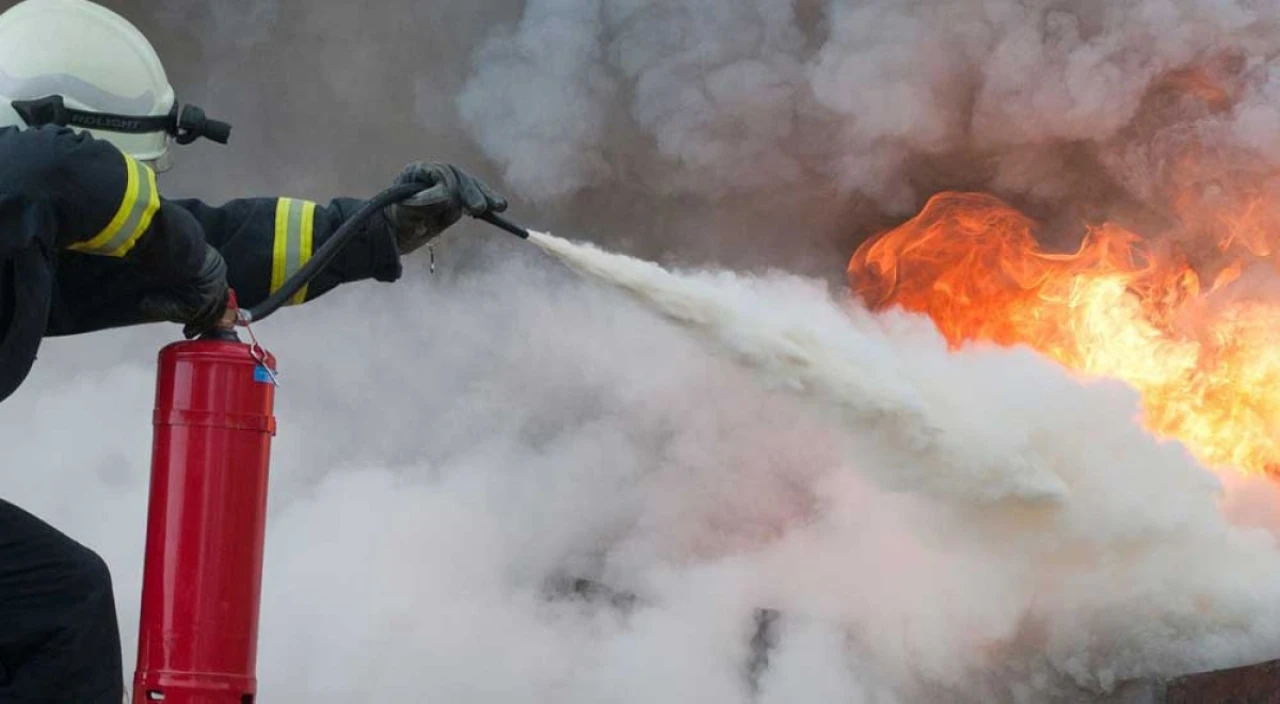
{"x": 321, "y": 257}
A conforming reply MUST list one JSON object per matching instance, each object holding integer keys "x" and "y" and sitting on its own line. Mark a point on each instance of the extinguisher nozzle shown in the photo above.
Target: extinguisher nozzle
{"x": 504, "y": 224}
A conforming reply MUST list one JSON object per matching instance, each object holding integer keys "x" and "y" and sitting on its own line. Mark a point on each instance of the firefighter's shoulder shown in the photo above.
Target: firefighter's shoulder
{"x": 27, "y": 157}
{"x": 34, "y": 159}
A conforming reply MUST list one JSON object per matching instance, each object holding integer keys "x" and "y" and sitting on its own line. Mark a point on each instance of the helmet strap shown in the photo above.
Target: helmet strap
{"x": 185, "y": 123}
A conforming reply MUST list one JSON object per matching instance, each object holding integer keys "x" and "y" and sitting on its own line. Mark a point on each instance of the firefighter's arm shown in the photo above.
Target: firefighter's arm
{"x": 90, "y": 198}
{"x": 109, "y": 208}
{"x": 108, "y": 205}
{"x": 266, "y": 240}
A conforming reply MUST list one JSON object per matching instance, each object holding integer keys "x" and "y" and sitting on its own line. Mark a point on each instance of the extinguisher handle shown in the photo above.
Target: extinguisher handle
{"x": 224, "y": 329}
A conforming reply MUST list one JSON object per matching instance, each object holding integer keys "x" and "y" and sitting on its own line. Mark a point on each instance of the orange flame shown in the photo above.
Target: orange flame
{"x": 1208, "y": 371}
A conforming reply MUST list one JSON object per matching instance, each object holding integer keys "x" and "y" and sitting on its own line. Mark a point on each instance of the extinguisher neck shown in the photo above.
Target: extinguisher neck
{"x": 221, "y": 335}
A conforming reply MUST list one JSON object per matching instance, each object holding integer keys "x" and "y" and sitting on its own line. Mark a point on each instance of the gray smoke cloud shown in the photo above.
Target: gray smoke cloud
{"x": 884, "y": 100}
{"x": 451, "y": 444}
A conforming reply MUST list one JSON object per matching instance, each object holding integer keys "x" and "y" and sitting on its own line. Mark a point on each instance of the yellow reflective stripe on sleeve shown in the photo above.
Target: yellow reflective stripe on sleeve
{"x": 305, "y": 245}
{"x": 295, "y": 229}
{"x": 137, "y": 209}
{"x": 280, "y": 248}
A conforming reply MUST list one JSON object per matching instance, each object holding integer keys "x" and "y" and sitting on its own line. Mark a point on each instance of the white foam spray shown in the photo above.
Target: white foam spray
{"x": 827, "y": 359}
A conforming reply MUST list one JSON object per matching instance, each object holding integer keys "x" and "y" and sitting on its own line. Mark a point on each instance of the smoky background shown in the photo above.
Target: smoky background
{"x": 452, "y": 441}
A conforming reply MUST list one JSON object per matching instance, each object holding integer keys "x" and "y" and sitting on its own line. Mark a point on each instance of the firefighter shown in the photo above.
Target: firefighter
{"x": 87, "y": 242}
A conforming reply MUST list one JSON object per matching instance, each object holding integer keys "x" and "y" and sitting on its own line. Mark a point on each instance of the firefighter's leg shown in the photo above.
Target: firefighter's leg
{"x": 59, "y": 641}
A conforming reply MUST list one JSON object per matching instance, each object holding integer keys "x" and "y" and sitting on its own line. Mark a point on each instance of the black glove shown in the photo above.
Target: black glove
{"x": 448, "y": 193}
{"x": 199, "y": 302}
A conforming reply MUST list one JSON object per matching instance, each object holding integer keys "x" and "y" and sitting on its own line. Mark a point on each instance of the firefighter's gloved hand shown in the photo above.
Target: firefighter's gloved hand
{"x": 448, "y": 193}
{"x": 198, "y": 303}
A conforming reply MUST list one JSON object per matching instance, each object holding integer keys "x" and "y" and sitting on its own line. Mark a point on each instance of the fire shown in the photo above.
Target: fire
{"x": 1205, "y": 359}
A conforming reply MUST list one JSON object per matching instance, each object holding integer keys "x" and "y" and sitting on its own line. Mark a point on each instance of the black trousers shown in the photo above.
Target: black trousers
{"x": 59, "y": 639}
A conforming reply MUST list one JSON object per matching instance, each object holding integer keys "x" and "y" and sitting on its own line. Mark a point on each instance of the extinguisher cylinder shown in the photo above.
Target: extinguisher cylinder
{"x": 206, "y": 524}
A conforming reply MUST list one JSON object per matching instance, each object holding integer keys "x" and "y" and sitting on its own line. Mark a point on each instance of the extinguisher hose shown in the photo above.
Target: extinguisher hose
{"x": 323, "y": 256}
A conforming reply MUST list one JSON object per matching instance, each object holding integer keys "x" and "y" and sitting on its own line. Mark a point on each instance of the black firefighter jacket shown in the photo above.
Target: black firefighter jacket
{"x": 85, "y": 235}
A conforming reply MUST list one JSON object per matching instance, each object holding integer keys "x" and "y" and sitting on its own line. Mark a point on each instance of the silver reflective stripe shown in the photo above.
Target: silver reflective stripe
{"x": 142, "y": 208}
{"x": 295, "y": 220}
{"x": 137, "y": 209}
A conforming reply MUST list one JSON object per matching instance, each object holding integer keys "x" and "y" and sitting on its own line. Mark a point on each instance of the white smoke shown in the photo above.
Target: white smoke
{"x": 448, "y": 448}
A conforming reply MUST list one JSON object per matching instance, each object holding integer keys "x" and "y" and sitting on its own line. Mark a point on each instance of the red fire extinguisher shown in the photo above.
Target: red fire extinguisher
{"x": 206, "y": 523}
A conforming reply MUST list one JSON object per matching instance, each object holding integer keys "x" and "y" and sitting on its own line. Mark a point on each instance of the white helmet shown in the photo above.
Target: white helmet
{"x": 73, "y": 62}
